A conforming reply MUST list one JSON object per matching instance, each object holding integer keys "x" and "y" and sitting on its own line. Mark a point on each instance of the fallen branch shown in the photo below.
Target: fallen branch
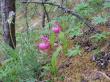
{"x": 65, "y": 10}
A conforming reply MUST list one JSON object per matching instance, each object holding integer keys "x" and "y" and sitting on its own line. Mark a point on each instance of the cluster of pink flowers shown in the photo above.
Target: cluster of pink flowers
{"x": 45, "y": 44}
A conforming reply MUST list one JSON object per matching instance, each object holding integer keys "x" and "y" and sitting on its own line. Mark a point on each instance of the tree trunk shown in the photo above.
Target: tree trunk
{"x": 7, "y": 10}
{"x": 0, "y": 11}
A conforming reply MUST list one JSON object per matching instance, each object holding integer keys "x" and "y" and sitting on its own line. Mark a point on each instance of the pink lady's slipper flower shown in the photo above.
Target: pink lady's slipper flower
{"x": 45, "y": 38}
{"x": 44, "y": 46}
{"x": 56, "y": 28}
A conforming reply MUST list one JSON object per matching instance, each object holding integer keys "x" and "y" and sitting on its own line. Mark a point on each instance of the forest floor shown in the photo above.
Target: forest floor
{"x": 80, "y": 69}
{"x": 75, "y": 69}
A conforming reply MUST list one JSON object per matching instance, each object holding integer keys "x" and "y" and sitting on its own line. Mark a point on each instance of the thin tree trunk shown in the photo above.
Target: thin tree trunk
{"x": 0, "y": 11}
{"x": 8, "y": 6}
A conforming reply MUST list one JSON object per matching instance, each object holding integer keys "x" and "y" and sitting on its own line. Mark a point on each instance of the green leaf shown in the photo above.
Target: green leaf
{"x": 100, "y": 36}
{"x": 52, "y": 38}
{"x": 99, "y": 20}
{"x": 64, "y": 42}
{"x": 53, "y": 66}
{"x": 61, "y": 36}
{"x": 75, "y": 51}
{"x": 106, "y": 5}
{"x": 83, "y": 9}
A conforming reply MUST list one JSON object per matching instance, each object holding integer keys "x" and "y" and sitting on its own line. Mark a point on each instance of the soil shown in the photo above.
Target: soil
{"x": 78, "y": 69}
{"x": 81, "y": 69}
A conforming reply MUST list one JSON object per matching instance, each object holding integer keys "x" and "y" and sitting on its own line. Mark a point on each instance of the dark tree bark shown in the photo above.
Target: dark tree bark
{"x": 8, "y": 22}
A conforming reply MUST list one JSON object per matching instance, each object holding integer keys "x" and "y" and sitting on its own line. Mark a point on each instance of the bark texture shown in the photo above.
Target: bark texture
{"x": 8, "y": 6}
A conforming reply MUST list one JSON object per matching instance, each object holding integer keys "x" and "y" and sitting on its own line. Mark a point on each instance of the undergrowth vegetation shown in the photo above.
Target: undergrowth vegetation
{"x": 21, "y": 64}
